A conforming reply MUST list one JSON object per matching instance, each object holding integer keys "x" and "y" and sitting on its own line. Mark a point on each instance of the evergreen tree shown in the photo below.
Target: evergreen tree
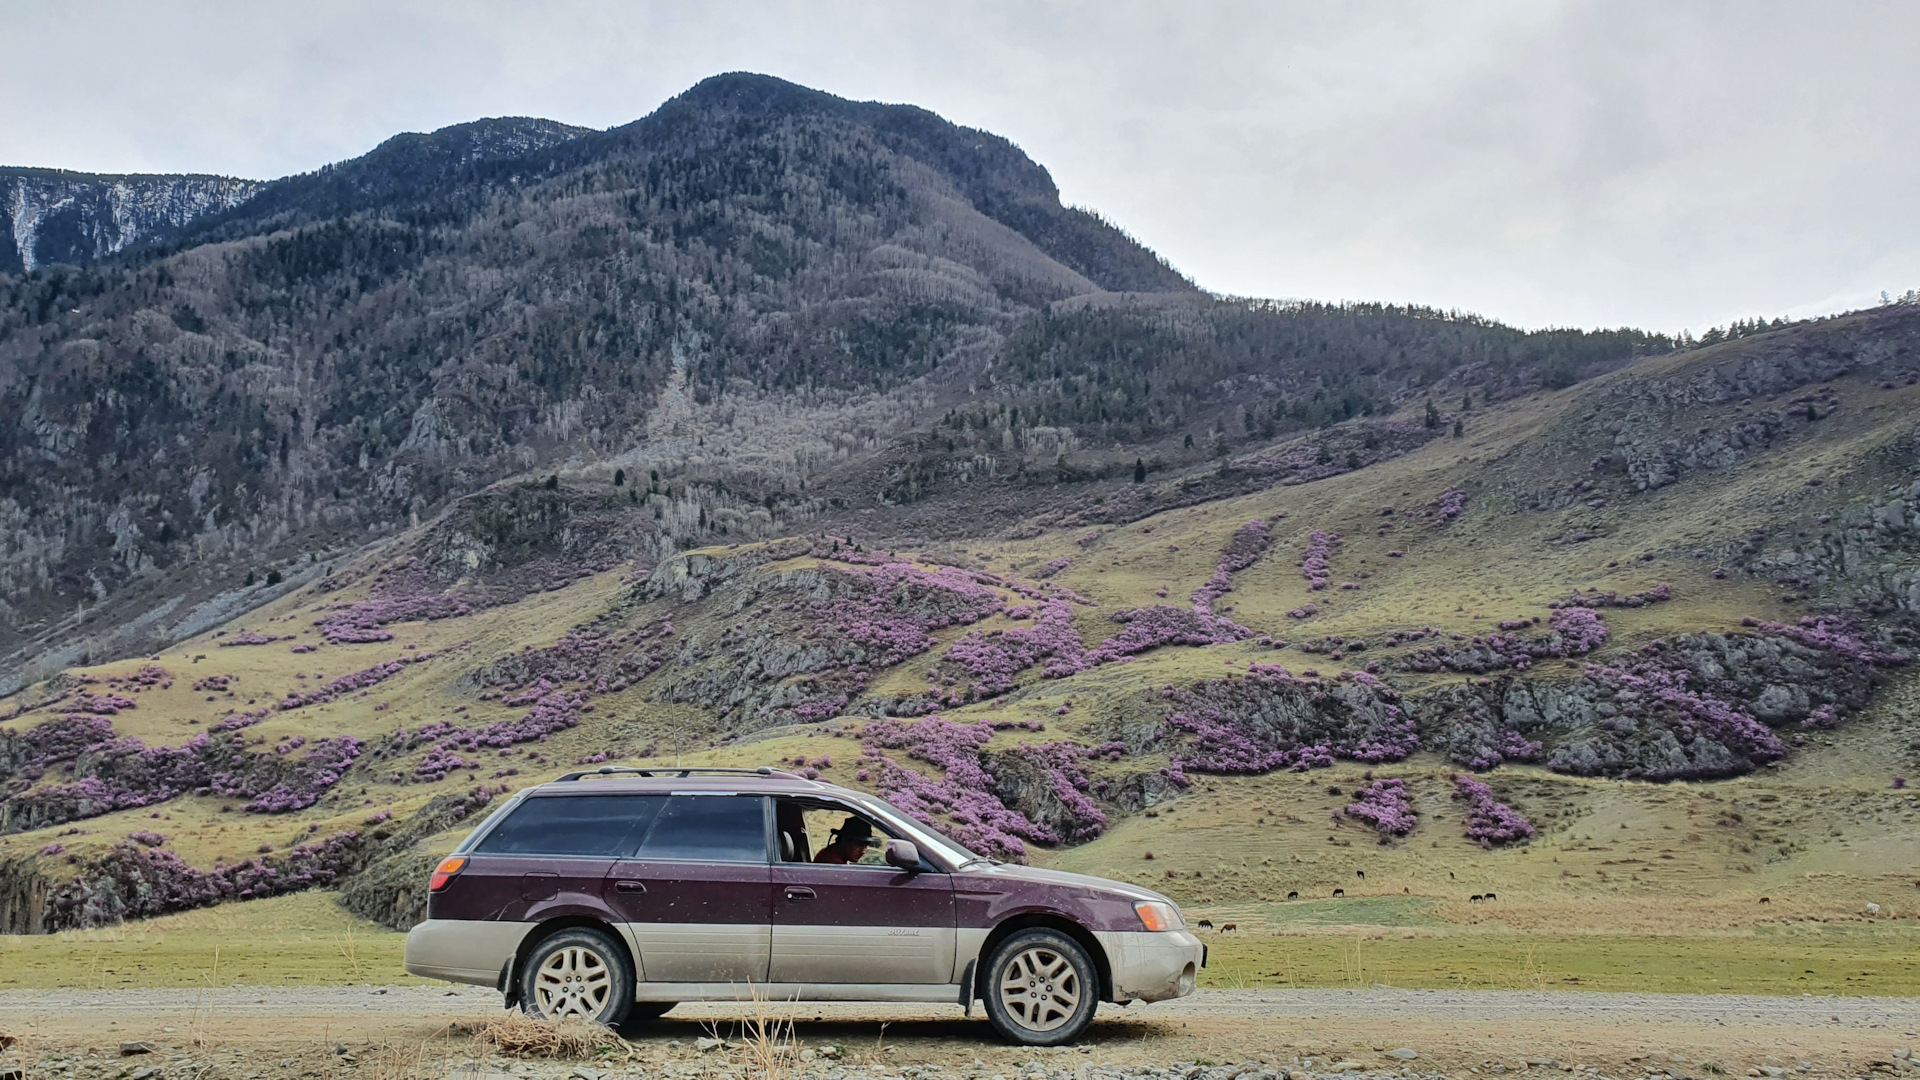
{"x": 1139, "y": 470}
{"x": 619, "y": 478}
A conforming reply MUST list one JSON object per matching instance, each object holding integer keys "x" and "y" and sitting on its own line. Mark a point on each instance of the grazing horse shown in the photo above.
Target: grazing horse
{"x": 1206, "y": 924}
{"x": 1476, "y": 898}
{"x": 1362, "y": 874}
{"x": 1339, "y": 892}
{"x": 1293, "y": 896}
{"x": 1490, "y": 896}
{"x": 1766, "y": 899}
{"x": 1229, "y": 928}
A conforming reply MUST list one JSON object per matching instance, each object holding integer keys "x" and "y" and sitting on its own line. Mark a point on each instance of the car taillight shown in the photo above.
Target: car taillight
{"x": 1159, "y": 917}
{"x": 443, "y": 873}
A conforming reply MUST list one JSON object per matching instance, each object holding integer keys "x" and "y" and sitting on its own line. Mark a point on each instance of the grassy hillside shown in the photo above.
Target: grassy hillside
{"x": 1726, "y": 827}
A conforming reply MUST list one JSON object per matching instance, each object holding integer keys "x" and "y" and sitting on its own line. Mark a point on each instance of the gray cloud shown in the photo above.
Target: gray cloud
{"x": 1658, "y": 164}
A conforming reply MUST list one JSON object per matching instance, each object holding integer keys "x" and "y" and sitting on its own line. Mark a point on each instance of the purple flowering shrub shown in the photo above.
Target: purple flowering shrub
{"x": 554, "y": 709}
{"x": 1705, "y": 705}
{"x": 1048, "y": 783}
{"x": 1594, "y": 598}
{"x": 317, "y": 771}
{"x": 991, "y": 660}
{"x": 1480, "y": 743}
{"x": 1385, "y": 805}
{"x": 237, "y": 720}
{"x": 359, "y": 680}
{"x": 1575, "y": 631}
{"x": 1271, "y": 719}
{"x": 134, "y": 880}
{"x": 111, "y": 773}
{"x": 963, "y": 795}
{"x": 1490, "y": 822}
{"x": 1316, "y": 563}
{"x": 61, "y": 738}
{"x": 891, "y": 609}
{"x": 1450, "y": 503}
{"x": 1835, "y": 636}
{"x": 1243, "y": 550}
{"x": 1151, "y": 627}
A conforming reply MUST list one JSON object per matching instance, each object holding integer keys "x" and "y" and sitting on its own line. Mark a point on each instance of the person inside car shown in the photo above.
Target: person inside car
{"x": 848, "y": 843}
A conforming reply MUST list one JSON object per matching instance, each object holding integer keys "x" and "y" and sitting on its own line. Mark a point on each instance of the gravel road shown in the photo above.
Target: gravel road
{"x": 1263, "y": 1035}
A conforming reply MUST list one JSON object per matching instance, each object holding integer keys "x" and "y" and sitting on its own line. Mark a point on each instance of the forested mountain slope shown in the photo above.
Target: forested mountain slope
{"x": 796, "y": 311}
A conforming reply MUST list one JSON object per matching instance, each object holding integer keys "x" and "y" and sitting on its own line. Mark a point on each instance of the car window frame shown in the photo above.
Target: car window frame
{"x": 928, "y": 865}
{"x": 769, "y": 850}
{"x": 472, "y": 845}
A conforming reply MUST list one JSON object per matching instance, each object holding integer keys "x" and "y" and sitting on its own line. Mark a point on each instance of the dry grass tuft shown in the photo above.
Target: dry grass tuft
{"x": 518, "y": 1035}
{"x": 772, "y": 1053}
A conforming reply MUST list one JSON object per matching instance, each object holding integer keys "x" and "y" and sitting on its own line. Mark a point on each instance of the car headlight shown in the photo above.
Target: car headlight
{"x": 1159, "y": 916}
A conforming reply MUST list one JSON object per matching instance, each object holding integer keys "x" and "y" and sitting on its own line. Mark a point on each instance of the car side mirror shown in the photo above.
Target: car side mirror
{"x": 903, "y": 854}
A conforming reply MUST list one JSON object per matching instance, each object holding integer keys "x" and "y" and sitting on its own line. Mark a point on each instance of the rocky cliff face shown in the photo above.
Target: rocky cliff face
{"x": 49, "y": 216}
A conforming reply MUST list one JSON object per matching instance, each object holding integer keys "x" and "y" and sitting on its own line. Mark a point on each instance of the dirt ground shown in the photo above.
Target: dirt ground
{"x": 243, "y": 1033}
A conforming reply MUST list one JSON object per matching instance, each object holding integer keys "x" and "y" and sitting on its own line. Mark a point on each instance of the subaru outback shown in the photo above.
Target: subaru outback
{"x": 615, "y": 894}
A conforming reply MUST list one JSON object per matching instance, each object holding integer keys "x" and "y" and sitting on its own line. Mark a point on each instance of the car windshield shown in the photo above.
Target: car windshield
{"x": 922, "y": 836}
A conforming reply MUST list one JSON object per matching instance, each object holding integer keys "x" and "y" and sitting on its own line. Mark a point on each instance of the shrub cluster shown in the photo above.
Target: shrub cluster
{"x": 135, "y": 879}
{"x": 1490, "y": 822}
{"x": 1316, "y": 563}
{"x": 1385, "y": 805}
{"x": 1243, "y": 550}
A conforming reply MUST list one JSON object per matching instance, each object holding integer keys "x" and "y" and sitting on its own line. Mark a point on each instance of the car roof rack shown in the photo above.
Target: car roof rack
{"x": 677, "y": 771}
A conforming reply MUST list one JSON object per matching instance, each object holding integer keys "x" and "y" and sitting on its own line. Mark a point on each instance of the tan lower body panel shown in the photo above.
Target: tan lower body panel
{"x": 721, "y": 953}
{"x": 744, "y": 991}
{"x": 921, "y": 955}
{"x": 463, "y": 950}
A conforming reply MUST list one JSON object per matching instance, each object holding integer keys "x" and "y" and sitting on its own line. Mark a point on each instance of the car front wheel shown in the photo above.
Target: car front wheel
{"x": 1040, "y": 988}
{"x": 578, "y": 974}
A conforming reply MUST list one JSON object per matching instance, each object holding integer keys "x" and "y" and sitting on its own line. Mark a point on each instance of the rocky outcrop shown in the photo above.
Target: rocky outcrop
{"x": 23, "y": 895}
{"x": 1649, "y": 423}
{"x": 50, "y": 216}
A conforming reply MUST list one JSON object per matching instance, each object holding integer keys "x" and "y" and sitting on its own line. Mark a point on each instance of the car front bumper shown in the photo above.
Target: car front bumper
{"x": 462, "y": 950}
{"x": 1152, "y": 966}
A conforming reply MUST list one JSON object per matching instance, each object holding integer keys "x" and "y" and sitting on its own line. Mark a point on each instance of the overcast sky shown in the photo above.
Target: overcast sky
{"x": 1665, "y": 165}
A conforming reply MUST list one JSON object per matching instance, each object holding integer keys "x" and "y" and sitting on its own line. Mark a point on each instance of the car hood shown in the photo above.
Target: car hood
{"x": 1013, "y": 872}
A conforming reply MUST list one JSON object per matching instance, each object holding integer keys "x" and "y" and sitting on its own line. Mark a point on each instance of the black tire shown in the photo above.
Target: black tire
{"x": 1040, "y": 988}
{"x": 582, "y": 973}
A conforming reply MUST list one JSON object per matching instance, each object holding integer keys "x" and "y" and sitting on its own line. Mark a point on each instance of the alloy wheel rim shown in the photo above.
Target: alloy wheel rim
{"x": 574, "y": 981}
{"x": 1040, "y": 989}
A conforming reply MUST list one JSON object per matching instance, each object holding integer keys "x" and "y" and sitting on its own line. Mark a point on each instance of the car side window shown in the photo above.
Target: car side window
{"x": 836, "y": 833}
{"x": 709, "y": 828}
{"x": 593, "y": 825}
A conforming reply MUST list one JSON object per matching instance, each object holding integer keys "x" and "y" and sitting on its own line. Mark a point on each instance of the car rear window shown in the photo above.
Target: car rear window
{"x": 709, "y": 828}
{"x": 605, "y": 825}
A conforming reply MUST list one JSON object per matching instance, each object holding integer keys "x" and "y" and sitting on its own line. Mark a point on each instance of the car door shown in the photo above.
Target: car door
{"x": 857, "y": 923}
{"x": 693, "y": 893}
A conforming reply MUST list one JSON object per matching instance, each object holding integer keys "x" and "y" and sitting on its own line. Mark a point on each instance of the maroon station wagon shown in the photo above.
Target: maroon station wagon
{"x": 613, "y": 895}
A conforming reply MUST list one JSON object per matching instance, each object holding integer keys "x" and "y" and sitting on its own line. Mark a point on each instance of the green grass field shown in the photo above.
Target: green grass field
{"x": 307, "y": 940}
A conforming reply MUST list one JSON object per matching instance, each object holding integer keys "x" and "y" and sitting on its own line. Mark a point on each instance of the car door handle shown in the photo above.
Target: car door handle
{"x": 629, "y": 886}
{"x": 799, "y": 892}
